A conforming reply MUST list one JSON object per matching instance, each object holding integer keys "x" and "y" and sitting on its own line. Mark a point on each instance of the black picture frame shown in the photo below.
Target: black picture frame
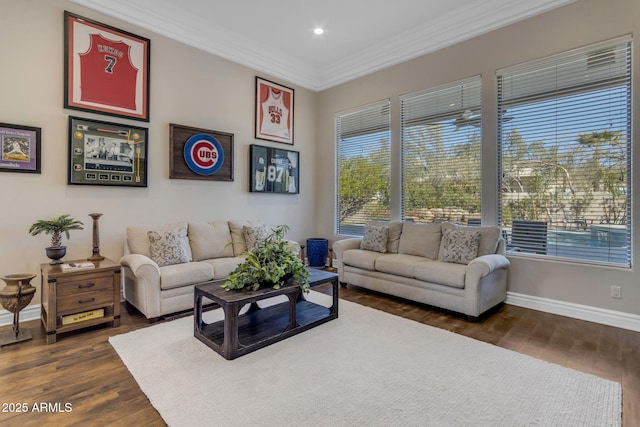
{"x": 115, "y": 78}
{"x": 200, "y": 154}
{"x": 21, "y": 148}
{"x": 273, "y": 170}
{"x": 107, "y": 154}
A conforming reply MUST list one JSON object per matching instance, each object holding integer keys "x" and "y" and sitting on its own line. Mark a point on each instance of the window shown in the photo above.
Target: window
{"x": 564, "y": 129}
{"x": 363, "y": 139}
{"x": 441, "y": 146}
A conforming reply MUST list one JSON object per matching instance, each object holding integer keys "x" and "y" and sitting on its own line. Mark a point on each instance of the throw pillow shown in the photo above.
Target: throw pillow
{"x": 169, "y": 247}
{"x": 237, "y": 236}
{"x": 375, "y": 239}
{"x": 395, "y": 230}
{"x": 459, "y": 246}
{"x": 420, "y": 240}
{"x": 489, "y": 236}
{"x": 253, "y": 234}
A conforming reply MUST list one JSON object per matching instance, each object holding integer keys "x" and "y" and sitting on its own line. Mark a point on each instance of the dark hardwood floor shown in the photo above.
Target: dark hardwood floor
{"x": 80, "y": 380}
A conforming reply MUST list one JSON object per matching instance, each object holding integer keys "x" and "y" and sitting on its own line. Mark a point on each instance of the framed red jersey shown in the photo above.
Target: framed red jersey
{"x": 106, "y": 69}
{"x": 274, "y": 112}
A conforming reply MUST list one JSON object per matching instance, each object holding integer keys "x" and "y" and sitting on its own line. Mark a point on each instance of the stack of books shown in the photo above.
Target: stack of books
{"x": 77, "y": 266}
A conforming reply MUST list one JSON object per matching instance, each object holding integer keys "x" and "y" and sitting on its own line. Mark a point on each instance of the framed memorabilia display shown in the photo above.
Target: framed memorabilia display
{"x": 274, "y": 170}
{"x": 20, "y": 148}
{"x": 106, "y": 70}
{"x": 102, "y": 153}
{"x": 200, "y": 154}
{"x": 274, "y": 112}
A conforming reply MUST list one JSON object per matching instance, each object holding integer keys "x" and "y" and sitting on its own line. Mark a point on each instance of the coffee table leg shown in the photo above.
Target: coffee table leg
{"x": 293, "y": 322}
{"x": 230, "y": 341}
{"x": 197, "y": 311}
{"x": 334, "y": 308}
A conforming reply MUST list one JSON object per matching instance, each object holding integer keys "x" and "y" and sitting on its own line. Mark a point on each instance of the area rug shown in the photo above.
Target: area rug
{"x": 368, "y": 368}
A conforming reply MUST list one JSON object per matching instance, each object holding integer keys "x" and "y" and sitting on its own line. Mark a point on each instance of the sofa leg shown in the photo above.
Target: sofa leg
{"x": 343, "y": 284}
{"x": 472, "y": 318}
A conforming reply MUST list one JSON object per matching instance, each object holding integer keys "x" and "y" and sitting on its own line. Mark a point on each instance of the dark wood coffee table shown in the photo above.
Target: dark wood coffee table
{"x": 239, "y": 334}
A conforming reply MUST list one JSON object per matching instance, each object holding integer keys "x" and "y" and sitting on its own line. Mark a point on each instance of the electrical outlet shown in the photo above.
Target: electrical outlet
{"x": 616, "y": 292}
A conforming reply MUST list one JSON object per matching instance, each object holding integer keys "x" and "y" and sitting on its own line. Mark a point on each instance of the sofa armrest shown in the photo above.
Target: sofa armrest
{"x": 486, "y": 264}
{"x": 339, "y": 248}
{"x": 485, "y": 283}
{"x": 141, "y": 283}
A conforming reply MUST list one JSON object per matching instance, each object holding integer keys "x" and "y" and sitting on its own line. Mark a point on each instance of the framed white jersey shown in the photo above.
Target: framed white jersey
{"x": 274, "y": 112}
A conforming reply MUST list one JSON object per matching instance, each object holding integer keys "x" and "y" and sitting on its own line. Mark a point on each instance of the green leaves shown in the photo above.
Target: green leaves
{"x": 270, "y": 261}
{"x": 55, "y": 227}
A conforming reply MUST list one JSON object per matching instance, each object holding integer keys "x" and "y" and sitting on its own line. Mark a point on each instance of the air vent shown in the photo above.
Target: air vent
{"x": 601, "y": 58}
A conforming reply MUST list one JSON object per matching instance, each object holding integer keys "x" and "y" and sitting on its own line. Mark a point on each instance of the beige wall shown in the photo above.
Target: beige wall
{"x": 193, "y": 88}
{"x": 188, "y": 87}
{"x": 581, "y": 23}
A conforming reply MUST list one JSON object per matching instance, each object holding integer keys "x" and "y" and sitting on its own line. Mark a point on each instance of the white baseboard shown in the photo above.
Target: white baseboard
{"x": 577, "y": 311}
{"x": 30, "y": 312}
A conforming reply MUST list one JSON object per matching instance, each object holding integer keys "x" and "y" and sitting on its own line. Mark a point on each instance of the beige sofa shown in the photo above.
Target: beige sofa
{"x": 163, "y": 262}
{"x": 462, "y": 269}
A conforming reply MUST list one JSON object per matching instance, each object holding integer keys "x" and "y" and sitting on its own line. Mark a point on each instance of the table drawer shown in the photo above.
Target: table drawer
{"x": 87, "y": 285}
{"x": 84, "y": 300}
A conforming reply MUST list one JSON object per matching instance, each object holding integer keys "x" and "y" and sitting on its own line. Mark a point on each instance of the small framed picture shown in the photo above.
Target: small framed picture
{"x": 106, "y": 69}
{"x": 274, "y": 170}
{"x": 274, "y": 112}
{"x": 20, "y": 148}
{"x": 200, "y": 154}
{"x": 103, "y": 153}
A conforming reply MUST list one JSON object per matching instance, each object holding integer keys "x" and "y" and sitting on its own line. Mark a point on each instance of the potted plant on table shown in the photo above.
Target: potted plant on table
{"x": 269, "y": 263}
{"x": 55, "y": 227}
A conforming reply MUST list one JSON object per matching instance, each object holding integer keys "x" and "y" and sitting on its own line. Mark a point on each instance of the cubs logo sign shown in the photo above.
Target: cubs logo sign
{"x": 203, "y": 154}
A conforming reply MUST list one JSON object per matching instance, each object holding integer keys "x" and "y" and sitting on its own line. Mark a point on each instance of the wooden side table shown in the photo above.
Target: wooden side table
{"x": 79, "y": 299}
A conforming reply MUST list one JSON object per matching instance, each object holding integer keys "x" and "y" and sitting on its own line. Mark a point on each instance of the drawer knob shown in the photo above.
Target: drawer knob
{"x": 84, "y": 301}
{"x": 88, "y": 285}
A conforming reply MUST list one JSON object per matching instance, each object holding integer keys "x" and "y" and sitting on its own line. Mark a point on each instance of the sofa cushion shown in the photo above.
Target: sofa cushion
{"x": 420, "y": 239}
{"x": 361, "y": 258}
{"x": 237, "y": 235}
{"x": 375, "y": 238}
{"x": 253, "y": 234}
{"x": 138, "y": 237}
{"x": 222, "y": 267}
{"x": 210, "y": 240}
{"x": 398, "y": 264}
{"x": 459, "y": 246}
{"x": 489, "y": 237}
{"x": 169, "y": 247}
{"x": 393, "y": 238}
{"x": 442, "y": 273}
{"x": 178, "y": 275}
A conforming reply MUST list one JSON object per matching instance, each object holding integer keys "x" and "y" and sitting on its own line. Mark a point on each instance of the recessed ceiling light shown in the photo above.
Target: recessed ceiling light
{"x": 318, "y": 31}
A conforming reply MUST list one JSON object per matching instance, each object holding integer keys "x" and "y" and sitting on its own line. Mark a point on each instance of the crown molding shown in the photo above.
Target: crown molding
{"x": 432, "y": 35}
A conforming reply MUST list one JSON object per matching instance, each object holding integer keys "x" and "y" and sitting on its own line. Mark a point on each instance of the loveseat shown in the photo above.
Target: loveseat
{"x": 461, "y": 269}
{"x": 163, "y": 262}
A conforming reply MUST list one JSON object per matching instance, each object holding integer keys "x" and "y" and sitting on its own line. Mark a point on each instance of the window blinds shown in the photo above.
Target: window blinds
{"x": 441, "y": 148}
{"x": 564, "y": 130}
{"x": 363, "y": 139}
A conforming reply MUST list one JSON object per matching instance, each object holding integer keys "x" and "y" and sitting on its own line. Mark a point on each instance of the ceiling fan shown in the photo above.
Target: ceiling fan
{"x": 469, "y": 118}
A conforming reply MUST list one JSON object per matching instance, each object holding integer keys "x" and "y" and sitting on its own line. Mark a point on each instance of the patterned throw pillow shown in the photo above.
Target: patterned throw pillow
{"x": 459, "y": 246}
{"x": 253, "y": 234}
{"x": 169, "y": 247}
{"x": 375, "y": 239}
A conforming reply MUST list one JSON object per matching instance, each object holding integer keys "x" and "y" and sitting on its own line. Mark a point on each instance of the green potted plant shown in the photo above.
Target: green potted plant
{"x": 55, "y": 227}
{"x": 269, "y": 263}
